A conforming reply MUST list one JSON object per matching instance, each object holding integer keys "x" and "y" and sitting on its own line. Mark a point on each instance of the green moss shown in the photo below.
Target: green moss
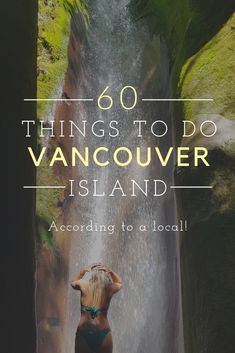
{"x": 53, "y": 33}
{"x": 48, "y": 202}
{"x": 44, "y": 236}
{"x": 185, "y": 25}
{"x": 210, "y": 74}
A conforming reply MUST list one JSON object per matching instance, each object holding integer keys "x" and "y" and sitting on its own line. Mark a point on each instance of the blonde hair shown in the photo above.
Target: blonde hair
{"x": 98, "y": 283}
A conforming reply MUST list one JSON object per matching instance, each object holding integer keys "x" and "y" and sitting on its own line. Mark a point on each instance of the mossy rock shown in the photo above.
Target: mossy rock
{"x": 210, "y": 74}
{"x": 53, "y": 33}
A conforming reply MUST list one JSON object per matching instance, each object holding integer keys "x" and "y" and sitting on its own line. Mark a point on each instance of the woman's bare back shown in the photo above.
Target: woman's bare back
{"x": 94, "y": 333}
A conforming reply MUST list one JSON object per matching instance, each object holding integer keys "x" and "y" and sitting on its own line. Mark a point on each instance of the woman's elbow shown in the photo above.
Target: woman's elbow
{"x": 118, "y": 287}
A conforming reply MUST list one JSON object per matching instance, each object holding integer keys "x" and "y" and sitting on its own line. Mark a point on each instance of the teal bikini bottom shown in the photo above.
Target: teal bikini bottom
{"x": 93, "y": 338}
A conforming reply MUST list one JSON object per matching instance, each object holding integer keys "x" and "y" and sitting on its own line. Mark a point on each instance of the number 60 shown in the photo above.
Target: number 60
{"x": 110, "y": 99}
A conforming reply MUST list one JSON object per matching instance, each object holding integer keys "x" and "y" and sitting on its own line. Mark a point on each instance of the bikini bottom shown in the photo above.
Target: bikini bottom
{"x": 94, "y": 338}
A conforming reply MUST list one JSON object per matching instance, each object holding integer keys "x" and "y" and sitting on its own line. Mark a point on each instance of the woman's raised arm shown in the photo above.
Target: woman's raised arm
{"x": 117, "y": 281}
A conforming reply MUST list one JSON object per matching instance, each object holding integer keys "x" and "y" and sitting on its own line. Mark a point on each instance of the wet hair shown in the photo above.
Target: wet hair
{"x": 98, "y": 283}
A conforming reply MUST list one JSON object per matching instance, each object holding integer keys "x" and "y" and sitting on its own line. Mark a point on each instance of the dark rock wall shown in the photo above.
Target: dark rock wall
{"x": 200, "y": 37}
{"x": 18, "y": 80}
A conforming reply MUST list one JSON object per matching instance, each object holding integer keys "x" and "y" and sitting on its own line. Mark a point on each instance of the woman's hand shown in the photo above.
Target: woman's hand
{"x": 90, "y": 267}
{"x": 104, "y": 268}
{"x": 98, "y": 266}
{"x": 95, "y": 264}
{"x": 82, "y": 272}
{"x": 79, "y": 275}
{"x": 75, "y": 284}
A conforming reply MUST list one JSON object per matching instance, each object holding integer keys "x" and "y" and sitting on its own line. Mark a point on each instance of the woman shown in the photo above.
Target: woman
{"x": 97, "y": 284}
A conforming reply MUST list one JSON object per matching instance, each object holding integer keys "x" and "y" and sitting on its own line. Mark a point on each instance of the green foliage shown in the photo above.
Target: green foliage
{"x": 53, "y": 33}
{"x": 47, "y": 202}
{"x": 52, "y": 42}
{"x": 43, "y": 235}
{"x": 185, "y": 25}
{"x": 72, "y": 6}
{"x": 210, "y": 73}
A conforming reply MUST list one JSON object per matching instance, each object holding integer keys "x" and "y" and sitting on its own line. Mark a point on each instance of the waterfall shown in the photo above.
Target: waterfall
{"x": 145, "y": 315}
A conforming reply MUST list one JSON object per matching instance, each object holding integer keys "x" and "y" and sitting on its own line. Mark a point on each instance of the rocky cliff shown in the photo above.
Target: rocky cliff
{"x": 201, "y": 39}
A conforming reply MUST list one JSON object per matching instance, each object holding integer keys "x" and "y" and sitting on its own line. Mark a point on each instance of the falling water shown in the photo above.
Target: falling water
{"x": 145, "y": 315}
